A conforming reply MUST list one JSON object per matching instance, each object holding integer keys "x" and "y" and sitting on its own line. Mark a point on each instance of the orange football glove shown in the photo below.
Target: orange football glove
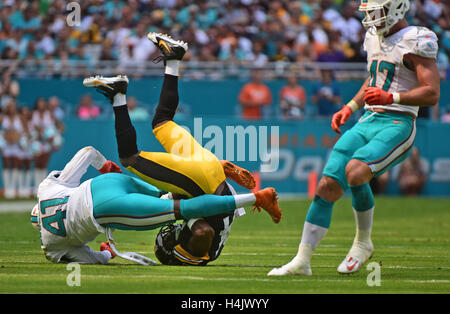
{"x": 105, "y": 247}
{"x": 340, "y": 117}
{"x": 376, "y": 96}
{"x": 110, "y": 166}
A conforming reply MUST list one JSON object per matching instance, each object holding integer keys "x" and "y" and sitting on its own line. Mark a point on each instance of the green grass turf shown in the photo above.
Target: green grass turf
{"x": 411, "y": 238}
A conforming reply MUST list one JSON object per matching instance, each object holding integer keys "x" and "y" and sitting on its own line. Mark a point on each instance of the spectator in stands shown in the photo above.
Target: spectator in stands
{"x": 55, "y": 108}
{"x": 12, "y": 130}
{"x": 445, "y": 118}
{"x": 348, "y": 25}
{"x": 87, "y": 110}
{"x": 113, "y": 30}
{"x": 257, "y": 57}
{"x": 9, "y": 89}
{"x": 137, "y": 113}
{"x": 292, "y": 99}
{"x": 26, "y": 154}
{"x": 49, "y": 131}
{"x": 326, "y": 95}
{"x": 333, "y": 52}
{"x": 412, "y": 176}
{"x": 254, "y": 96}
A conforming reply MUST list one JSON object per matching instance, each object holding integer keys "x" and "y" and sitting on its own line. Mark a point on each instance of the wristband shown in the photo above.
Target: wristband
{"x": 396, "y": 97}
{"x": 353, "y": 105}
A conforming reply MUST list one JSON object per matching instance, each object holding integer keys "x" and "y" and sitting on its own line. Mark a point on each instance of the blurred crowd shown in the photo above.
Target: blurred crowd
{"x": 257, "y": 31}
{"x": 252, "y": 32}
{"x": 28, "y": 136}
{"x": 293, "y": 102}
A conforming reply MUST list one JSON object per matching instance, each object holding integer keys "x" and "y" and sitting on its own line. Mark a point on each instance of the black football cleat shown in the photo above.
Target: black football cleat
{"x": 108, "y": 86}
{"x": 170, "y": 48}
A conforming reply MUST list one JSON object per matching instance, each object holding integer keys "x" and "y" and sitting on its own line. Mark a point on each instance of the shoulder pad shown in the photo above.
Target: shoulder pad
{"x": 422, "y": 42}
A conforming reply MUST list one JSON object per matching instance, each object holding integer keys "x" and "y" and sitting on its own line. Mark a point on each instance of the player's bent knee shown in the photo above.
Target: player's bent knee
{"x": 357, "y": 172}
{"x": 329, "y": 189}
{"x": 128, "y": 161}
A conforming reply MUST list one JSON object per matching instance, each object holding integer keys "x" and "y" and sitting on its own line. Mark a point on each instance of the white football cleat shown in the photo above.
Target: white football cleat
{"x": 108, "y": 86}
{"x": 358, "y": 255}
{"x": 170, "y": 48}
{"x": 291, "y": 269}
{"x": 108, "y": 82}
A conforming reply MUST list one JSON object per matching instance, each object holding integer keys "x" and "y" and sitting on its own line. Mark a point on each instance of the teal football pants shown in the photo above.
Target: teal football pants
{"x": 381, "y": 140}
{"x": 127, "y": 203}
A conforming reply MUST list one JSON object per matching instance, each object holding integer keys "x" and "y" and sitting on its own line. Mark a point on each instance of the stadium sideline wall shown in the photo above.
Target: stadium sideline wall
{"x": 303, "y": 146}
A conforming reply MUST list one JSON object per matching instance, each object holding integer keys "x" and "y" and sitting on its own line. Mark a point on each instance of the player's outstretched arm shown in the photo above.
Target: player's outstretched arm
{"x": 86, "y": 255}
{"x": 341, "y": 117}
{"x": 85, "y": 157}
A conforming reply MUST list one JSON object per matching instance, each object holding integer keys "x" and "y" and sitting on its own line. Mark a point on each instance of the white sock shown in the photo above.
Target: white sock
{"x": 242, "y": 200}
{"x": 6, "y": 177}
{"x": 25, "y": 186}
{"x": 363, "y": 224}
{"x": 119, "y": 100}
{"x": 311, "y": 237}
{"x": 15, "y": 178}
{"x": 303, "y": 256}
{"x": 172, "y": 67}
{"x": 20, "y": 182}
{"x": 313, "y": 234}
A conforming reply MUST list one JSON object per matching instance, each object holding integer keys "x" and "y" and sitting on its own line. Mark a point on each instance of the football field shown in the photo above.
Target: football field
{"x": 411, "y": 238}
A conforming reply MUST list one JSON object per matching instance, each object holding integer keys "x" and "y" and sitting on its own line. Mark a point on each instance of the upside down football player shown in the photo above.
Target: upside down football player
{"x": 71, "y": 214}
{"x": 187, "y": 168}
{"x": 402, "y": 77}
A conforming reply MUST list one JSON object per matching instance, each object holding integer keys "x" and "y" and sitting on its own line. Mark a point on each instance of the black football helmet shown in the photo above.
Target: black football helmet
{"x": 166, "y": 240}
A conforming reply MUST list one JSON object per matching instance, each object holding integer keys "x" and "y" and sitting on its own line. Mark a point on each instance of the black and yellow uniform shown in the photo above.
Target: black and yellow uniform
{"x": 186, "y": 168}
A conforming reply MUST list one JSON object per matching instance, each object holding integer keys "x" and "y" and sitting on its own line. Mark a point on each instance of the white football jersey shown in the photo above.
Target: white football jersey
{"x": 386, "y": 65}
{"x": 65, "y": 211}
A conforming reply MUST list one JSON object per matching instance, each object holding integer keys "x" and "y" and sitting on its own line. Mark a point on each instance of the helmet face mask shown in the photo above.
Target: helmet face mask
{"x": 382, "y": 15}
{"x": 165, "y": 241}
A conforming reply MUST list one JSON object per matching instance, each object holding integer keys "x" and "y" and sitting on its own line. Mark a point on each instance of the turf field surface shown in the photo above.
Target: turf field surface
{"x": 411, "y": 238}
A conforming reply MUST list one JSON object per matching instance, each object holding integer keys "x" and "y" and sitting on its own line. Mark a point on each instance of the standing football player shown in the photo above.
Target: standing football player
{"x": 402, "y": 77}
{"x": 71, "y": 213}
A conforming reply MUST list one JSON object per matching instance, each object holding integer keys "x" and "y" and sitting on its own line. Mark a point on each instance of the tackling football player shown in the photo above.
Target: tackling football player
{"x": 186, "y": 168}
{"x": 71, "y": 214}
{"x": 402, "y": 77}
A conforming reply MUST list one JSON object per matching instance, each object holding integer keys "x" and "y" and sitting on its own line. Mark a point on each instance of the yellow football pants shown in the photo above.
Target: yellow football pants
{"x": 187, "y": 168}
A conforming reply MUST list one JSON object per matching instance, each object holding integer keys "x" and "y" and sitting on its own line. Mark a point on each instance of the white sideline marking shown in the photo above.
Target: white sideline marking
{"x": 16, "y": 207}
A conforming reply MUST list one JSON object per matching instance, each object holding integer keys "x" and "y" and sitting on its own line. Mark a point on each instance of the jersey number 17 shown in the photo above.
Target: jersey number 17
{"x": 382, "y": 66}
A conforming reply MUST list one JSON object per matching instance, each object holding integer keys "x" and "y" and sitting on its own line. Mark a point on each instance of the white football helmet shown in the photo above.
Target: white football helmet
{"x": 381, "y": 15}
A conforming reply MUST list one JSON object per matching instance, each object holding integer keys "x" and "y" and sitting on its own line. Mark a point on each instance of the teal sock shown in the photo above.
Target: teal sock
{"x": 206, "y": 205}
{"x": 362, "y": 197}
{"x": 319, "y": 212}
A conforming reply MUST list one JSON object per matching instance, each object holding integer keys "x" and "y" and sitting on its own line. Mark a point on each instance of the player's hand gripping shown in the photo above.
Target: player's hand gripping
{"x": 376, "y": 96}
{"x": 104, "y": 246}
{"x": 110, "y": 166}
